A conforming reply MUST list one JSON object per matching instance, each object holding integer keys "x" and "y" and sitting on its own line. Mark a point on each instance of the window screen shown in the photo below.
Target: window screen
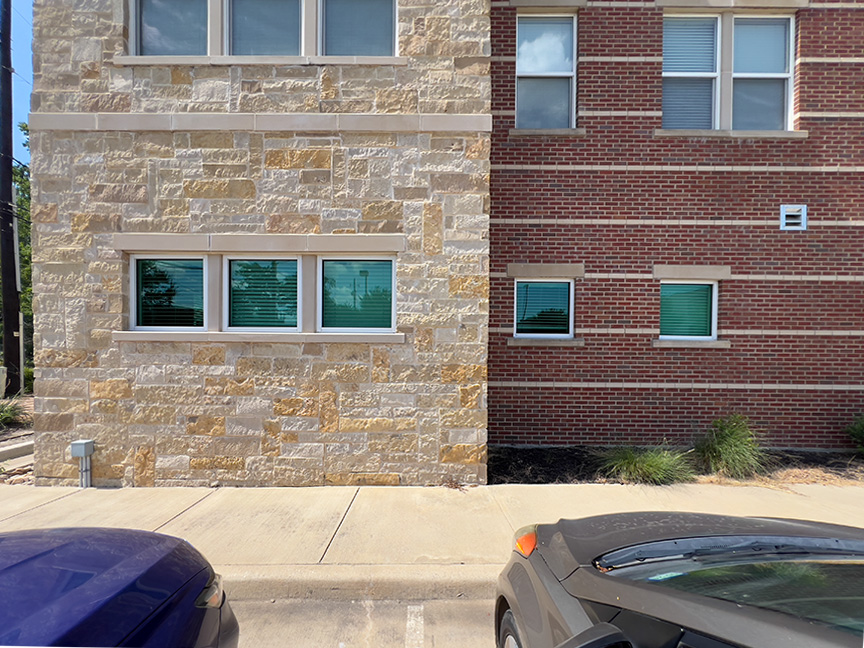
{"x": 358, "y": 27}
{"x": 261, "y": 27}
{"x": 172, "y": 27}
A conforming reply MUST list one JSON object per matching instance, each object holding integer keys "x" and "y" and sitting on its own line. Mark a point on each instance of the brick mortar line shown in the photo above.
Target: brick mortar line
{"x": 690, "y": 386}
{"x": 676, "y": 168}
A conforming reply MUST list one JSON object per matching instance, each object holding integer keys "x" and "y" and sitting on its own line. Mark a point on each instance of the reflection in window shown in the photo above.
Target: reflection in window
{"x": 172, "y": 27}
{"x": 545, "y": 72}
{"x": 263, "y": 293}
{"x": 170, "y": 292}
{"x": 356, "y": 294}
{"x": 543, "y": 309}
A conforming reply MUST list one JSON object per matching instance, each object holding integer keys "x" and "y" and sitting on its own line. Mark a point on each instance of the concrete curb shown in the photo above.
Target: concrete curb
{"x": 16, "y": 450}
{"x": 360, "y": 582}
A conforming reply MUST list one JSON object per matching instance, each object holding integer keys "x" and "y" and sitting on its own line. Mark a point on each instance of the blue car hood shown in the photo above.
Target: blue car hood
{"x": 89, "y": 587}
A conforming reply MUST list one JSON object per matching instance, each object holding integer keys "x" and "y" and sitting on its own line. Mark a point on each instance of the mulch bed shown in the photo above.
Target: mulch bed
{"x": 578, "y": 464}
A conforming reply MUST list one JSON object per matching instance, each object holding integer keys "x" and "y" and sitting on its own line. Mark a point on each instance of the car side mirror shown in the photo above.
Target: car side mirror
{"x": 602, "y": 635}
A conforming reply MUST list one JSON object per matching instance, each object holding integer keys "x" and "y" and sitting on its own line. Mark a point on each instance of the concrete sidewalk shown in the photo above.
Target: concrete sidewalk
{"x": 398, "y": 543}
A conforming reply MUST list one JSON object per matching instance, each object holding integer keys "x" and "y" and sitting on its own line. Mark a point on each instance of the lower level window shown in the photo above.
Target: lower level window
{"x": 169, "y": 293}
{"x": 356, "y": 294}
{"x": 262, "y": 293}
{"x": 688, "y": 310}
{"x": 544, "y": 309}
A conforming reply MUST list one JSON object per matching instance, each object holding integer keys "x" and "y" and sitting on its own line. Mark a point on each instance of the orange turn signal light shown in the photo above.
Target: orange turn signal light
{"x": 526, "y": 540}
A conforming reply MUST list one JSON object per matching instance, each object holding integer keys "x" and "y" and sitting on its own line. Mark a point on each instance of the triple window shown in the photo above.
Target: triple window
{"x": 266, "y": 27}
{"x": 545, "y": 72}
{"x": 727, "y": 72}
{"x": 264, "y": 294}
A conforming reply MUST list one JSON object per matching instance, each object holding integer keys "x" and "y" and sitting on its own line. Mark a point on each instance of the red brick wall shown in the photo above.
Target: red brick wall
{"x": 793, "y": 310}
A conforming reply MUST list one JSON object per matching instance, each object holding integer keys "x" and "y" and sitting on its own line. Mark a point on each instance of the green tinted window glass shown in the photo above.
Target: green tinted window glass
{"x": 357, "y": 294}
{"x": 263, "y": 293}
{"x": 542, "y": 307}
{"x": 685, "y": 309}
{"x": 170, "y": 292}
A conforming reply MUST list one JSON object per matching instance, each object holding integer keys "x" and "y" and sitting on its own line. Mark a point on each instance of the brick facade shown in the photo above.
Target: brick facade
{"x": 622, "y": 198}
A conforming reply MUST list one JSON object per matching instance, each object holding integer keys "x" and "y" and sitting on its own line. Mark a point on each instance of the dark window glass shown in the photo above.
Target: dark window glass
{"x": 357, "y": 294}
{"x": 170, "y": 292}
{"x": 263, "y": 293}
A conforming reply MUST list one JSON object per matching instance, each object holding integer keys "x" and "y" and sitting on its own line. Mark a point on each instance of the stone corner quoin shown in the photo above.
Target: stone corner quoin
{"x": 175, "y": 153}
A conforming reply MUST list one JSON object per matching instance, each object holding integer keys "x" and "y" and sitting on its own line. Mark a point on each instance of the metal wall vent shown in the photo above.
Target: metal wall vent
{"x": 793, "y": 217}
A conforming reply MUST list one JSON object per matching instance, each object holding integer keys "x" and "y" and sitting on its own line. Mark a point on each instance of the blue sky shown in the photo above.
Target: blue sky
{"x": 22, "y": 62}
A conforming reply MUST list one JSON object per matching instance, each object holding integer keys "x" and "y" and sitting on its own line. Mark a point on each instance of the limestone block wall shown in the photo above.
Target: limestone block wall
{"x": 131, "y": 157}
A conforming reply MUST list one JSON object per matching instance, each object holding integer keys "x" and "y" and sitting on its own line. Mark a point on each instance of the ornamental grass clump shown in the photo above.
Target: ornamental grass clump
{"x": 731, "y": 448}
{"x": 13, "y": 414}
{"x": 657, "y": 465}
{"x": 856, "y": 431}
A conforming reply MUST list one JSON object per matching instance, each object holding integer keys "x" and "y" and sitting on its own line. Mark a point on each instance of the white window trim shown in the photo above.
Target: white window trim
{"x": 718, "y": 64}
{"x": 724, "y": 67}
{"x": 133, "y": 291}
{"x": 226, "y": 293}
{"x": 544, "y": 336}
{"x": 219, "y": 33}
{"x": 319, "y": 297}
{"x": 550, "y": 75}
{"x": 715, "y": 290}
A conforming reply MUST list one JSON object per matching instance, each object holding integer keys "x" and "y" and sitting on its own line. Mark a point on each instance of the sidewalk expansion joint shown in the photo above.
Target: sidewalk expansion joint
{"x": 188, "y": 508}
{"x": 339, "y": 526}
{"x": 33, "y": 508}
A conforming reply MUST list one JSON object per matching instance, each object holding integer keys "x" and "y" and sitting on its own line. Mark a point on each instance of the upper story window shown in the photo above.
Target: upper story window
{"x": 172, "y": 27}
{"x": 727, "y": 72}
{"x": 545, "y": 72}
{"x": 265, "y": 28}
{"x": 359, "y": 27}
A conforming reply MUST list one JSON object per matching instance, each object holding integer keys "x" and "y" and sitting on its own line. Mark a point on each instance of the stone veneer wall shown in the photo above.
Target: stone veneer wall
{"x": 195, "y": 409}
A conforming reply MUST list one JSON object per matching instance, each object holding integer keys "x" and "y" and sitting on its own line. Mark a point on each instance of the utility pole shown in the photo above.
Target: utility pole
{"x": 8, "y": 256}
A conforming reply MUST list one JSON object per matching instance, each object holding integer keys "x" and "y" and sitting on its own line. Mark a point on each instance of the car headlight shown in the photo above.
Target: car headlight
{"x": 213, "y": 595}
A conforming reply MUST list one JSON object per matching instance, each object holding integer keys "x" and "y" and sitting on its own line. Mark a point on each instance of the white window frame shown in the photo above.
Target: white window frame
{"x": 544, "y": 336}
{"x": 725, "y": 66}
{"x": 715, "y": 302}
{"x": 319, "y": 297}
{"x": 226, "y": 293}
{"x": 549, "y": 75}
{"x": 715, "y": 76}
{"x": 133, "y": 291}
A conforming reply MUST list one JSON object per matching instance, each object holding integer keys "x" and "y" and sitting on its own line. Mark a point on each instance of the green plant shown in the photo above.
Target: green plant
{"x": 731, "y": 448}
{"x": 28, "y": 380}
{"x": 856, "y": 431}
{"x": 13, "y": 414}
{"x": 658, "y": 465}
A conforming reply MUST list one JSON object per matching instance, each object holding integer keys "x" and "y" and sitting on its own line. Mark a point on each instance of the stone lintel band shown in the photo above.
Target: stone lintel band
{"x": 261, "y": 243}
{"x": 305, "y": 122}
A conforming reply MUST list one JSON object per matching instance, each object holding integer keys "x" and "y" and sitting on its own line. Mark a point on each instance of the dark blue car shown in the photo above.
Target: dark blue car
{"x": 110, "y": 587}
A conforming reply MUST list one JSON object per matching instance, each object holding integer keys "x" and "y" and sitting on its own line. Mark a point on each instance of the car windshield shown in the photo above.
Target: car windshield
{"x": 826, "y": 589}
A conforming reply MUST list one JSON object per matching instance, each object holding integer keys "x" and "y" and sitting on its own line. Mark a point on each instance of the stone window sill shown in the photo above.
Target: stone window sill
{"x": 731, "y": 134}
{"x": 535, "y": 342}
{"x": 237, "y": 336}
{"x": 124, "y": 60}
{"x": 547, "y": 132}
{"x": 694, "y": 344}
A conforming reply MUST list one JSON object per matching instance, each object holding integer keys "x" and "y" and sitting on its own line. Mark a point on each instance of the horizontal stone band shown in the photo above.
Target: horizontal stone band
{"x": 319, "y": 122}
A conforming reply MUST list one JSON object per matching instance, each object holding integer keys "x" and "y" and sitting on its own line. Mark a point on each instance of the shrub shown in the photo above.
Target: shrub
{"x": 28, "y": 380}
{"x": 856, "y": 431}
{"x": 13, "y": 414}
{"x": 658, "y": 465}
{"x": 731, "y": 448}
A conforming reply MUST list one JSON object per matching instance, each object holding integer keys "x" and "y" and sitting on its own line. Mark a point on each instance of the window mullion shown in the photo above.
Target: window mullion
{"x": 216, "y": 33}
{"x": 311, "y": 32}
{"x": 726, "y": 61}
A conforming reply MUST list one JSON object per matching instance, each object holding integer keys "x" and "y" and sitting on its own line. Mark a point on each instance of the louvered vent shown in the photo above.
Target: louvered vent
{"x": 793, "y": 217}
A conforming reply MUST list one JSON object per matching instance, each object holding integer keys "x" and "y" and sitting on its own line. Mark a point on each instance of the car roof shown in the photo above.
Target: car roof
{"x": 87, "y": 586}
